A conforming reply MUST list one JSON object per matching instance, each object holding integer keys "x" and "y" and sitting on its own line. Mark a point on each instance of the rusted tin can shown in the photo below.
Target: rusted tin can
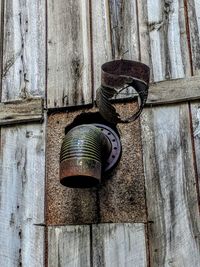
{"x": 82, "y": 155}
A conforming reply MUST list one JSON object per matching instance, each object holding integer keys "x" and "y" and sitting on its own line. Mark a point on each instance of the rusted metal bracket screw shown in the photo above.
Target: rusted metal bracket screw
{"x": 86, "y": 152}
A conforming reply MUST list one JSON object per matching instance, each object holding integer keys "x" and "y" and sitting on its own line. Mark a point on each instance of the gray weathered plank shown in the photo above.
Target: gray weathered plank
{"x": 170, "y": 177}
{"x": 22, "y": 173}
{"x": 124, "y": 29}
{"x": 69, "y": 246}
{"x": 101, "y": 38}
{"x": 144, "y": 39}
{"x": 23, "y": 49}
{"x": 168, "y": 53}
{"x": 21, "y": 111}
{"x": 173, "y": 91}
{"x": 193, "y": 8}
{"x": 171, "y": 187}
{"x": 195, "y": 110}
{"x": 1, "y": 40}
{"x": 114, "y": 32}
{"x": 119, "y": 245}
{"x": 69, "y": 59}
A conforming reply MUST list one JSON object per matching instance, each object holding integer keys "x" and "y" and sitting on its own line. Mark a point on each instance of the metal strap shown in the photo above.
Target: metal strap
{"x": 114, "y": 76}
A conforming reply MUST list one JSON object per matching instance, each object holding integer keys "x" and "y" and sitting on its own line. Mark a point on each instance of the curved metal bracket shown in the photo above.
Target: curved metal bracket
{"x": 114, "y": 76}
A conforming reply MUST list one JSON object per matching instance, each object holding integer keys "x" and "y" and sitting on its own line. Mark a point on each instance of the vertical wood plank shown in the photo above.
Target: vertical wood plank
{"x": 170, "y": 187}
{"x": 23, "y": 49}
{"x": 69, "y": 58}
{"x": 101, "y": 38}
{"x": 168, "y": 40}
{"x": 22, "y": 173}
{"x": 144, "y": 39}
{"x": 195, "y": 109}
{"x": 119, "y": 245}
{"x": 114, "y": 31}
{"x": 169, "y": 170}
{"x": 124, "y": 29}
{"x": 69, "y": 246}
{"x": 193, "y": 8}
{"x": 1, "y": 42}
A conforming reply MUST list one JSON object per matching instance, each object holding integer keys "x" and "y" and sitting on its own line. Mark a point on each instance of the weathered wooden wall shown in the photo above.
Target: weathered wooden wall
{"x": 51, "y": 53}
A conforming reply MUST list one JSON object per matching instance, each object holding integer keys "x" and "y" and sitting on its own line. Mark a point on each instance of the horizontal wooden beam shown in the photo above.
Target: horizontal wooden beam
{"x": 174, "y": 91}
{"x": 165, "y": 92}
{"x": 21, "y": 111}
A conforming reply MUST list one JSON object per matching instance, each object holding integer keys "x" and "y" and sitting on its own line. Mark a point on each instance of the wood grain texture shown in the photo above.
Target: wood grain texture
{"x": 114, "y": 31}
{"x": 195, "y": 110}
{"x": 169, "y": 55}
{"x": 21, "y": 111}
{"x": 143, "y": 34}
{"x": 101, "y": 38}
{"x": 193, "y": 9}
{"x": 174, "y": 91}
{"x": 1, "y": 42}
{"x": 119, "y": 245}
{"x": 23, "y": 49}
{"x": 170, "y": 187}
{"x": 124, "y": 29}
{"x": 22, "y": 173}
{"x": 69, "y": 59}
{"x": 69, "y": 246}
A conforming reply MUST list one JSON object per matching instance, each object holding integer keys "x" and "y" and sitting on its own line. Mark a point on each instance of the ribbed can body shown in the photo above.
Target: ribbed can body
{"x": 81, "y": 156}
